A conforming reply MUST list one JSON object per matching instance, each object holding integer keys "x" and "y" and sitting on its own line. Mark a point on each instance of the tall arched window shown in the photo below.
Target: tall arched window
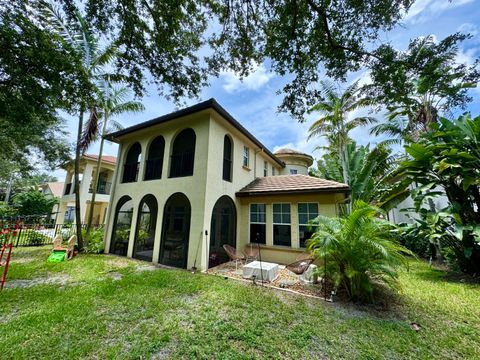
{"x": 183, "y": 154}
{"x": 227, "y": 158}
{"x": 145, "y": 230}
{"x": 121, "y": 226}
{"x": 132, "y": 163}
{"x": 155, "y": 159}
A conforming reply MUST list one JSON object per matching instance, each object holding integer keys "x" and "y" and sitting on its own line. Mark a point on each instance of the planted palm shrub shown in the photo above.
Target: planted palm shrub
{"x": 361, "y": 251}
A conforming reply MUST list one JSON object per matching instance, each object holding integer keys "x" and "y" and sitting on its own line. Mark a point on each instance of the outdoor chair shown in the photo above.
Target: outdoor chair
{"x": 57, "y": 242}
{"x": 234, "y": 255}
{"x": 70, "y": 247}
{"x": 300, "y": 266}
{"x": 251, "y": 253}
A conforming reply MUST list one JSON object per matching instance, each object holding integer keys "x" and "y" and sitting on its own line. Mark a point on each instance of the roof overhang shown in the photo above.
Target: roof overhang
{"x": 290, "y": 192}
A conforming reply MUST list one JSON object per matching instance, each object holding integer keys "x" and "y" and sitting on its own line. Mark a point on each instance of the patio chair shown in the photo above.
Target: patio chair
{"x": 251, "y": 253}
{"x": 70, "y": 247}
{"x": 57, "y": 242}
{"x": 234, "y": 255}
{"x": 300, "y": 266}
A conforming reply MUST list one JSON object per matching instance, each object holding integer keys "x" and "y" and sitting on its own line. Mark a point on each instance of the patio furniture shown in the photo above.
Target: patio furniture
{"x": 234, "y": 255}
{"x": 251, "y": 253}
{"x": 300, "y": 266}
{"x": 71, "y": 247}
{"x": 57, "y": 242}
{"x": 262, "y": 270}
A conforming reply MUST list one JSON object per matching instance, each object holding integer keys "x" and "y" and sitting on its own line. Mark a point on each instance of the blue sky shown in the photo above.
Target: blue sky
{"x": 254, "y": 102}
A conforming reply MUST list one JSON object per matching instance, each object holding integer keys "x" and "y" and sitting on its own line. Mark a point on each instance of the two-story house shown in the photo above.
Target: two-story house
{"x": 191, "y": 181}
{"x": 88, "y": 170}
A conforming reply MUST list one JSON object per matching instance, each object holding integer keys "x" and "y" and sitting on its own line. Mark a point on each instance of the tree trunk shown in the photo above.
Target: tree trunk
{"x": 78, "y": 219}
{"x": 95, "y": 181}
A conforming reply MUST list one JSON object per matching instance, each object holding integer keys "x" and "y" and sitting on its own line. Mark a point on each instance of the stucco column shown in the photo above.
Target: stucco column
{"x": 84, "y": 186}
{"x": 158, "y": 233}
{"x": 269, "y": 224}
{"x": 62, "y": 208}
{"x": 133, "y": 228}
{"x": 294, "y": 226}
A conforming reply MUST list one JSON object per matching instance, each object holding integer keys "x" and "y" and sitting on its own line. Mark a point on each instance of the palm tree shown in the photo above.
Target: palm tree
{"x": 333, "y": 123}
{"x": 84, "y": 46}
{"x": 111, "y": 101}
{"x": 358, "y": 251}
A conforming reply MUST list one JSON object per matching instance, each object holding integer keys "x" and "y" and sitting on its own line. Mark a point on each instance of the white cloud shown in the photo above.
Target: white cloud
{"x": 424, "y": 10}
{"x": 254, "y": 81}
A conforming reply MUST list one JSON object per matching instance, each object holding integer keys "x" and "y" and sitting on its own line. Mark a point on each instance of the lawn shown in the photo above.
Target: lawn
{"x": 99, "y": 306}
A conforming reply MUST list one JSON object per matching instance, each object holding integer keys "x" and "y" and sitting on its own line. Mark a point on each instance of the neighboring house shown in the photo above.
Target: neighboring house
{"x": 53, "y": 190}
{"x": 88, "y": 170}
{"x": 191, "y": 181}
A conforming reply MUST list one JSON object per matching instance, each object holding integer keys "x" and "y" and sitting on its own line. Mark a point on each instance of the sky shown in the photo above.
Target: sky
{"x": 253, "y": 101}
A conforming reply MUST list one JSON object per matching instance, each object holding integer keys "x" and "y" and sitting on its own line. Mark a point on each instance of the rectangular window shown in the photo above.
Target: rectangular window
{"x": 293, "y": 171}
{"x": 273, "y": 171}
{"x": 258, "y": 223}
{"x": 246, "y": 156}
{"x": 281, "y": 225}
{"x": 265, "y": 168}
{"x": 306, "y": 213}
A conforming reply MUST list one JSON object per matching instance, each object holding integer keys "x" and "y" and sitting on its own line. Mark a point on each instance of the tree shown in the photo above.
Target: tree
{"x": 37, "y": 77}
{"x": 359, "y": 251}
{"x": 110, "y": 102}
{"x": 334, "y": 123}
{"x": 419, "y": 85}
{"x": 33, "y": 202}
{"x": 369, "y": 171}
{"x": 446, "y": 160}
{"x": 78, "y": 37}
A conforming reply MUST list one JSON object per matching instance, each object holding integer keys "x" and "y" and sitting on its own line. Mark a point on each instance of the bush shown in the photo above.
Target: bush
{"x": 360, "y": 250}
{"x": 95, "y": 243}
{"x": 35, "y": 239}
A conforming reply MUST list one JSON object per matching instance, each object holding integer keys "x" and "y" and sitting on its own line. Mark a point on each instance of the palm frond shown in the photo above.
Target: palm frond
{"x": 90, "y": 131}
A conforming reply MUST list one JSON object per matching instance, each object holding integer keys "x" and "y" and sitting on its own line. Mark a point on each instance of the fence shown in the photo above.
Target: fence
{"x": 21, "y": 234}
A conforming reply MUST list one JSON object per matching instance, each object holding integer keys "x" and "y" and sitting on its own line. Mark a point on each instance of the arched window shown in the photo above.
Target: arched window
{"x": 155, "y": 159}
{"x": 175, "y": 231}
{"x": 132, "y": 163}
{"x": 183, "y": 154}
{"x": 222, "y": 230}
{"x": 145, "y": 230}
{"x": 121, "y": 226}
{"x": 227, "y": 158}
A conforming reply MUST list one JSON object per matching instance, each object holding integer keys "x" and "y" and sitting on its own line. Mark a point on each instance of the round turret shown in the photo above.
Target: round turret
{"x": 296, "y": 162}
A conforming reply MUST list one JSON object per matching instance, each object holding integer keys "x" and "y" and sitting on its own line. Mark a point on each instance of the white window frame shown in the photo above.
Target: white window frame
{"x": 308, "y": 215}
{"x": 273, "y": 170}
{"x": 265, "y": 168}
{"x": 281, "y": 223}
{"x": 293, "y": 171}
{"x": 250, "y": 222}
{"x": 246, "y": 156}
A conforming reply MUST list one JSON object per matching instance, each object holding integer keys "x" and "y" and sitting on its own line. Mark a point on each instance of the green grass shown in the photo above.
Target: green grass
{"x": 174, "y": 314}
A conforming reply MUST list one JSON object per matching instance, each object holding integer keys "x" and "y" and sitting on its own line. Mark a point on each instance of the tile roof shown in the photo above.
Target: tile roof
{"x": 56, "y": 188}
{"x": 285, "y": 184}
{"x": 105, "y": 158}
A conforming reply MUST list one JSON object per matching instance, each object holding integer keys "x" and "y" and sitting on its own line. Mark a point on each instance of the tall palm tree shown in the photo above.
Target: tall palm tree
{"x": 111, "y": 101}
{"x": 83, "y": 45}
{"x": 334, "y": 123}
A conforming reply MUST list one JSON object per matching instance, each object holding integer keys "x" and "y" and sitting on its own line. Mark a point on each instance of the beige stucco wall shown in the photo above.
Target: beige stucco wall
{"x": 203, "y": 189}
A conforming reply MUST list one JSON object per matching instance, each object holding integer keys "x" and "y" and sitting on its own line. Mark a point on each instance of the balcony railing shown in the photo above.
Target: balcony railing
{"x": 181, "y": 164}
{"x": 130, "y": 172}
{"x": 102, "y": 188}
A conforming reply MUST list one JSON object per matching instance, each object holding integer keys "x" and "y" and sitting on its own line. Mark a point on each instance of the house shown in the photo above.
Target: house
{"x": 88, "y": 170}
{"x": 52, "y": 190}
{"x": 191, "y": 181}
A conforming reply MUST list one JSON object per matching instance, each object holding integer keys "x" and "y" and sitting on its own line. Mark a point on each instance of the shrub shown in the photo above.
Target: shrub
{"x": 95, "y": 243}
{"x": 360, "y": 250}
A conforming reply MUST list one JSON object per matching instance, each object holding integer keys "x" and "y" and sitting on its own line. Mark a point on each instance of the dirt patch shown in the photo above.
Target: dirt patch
{"x": 61, "y": 280}
{"x": 141, "y": 268}
{"x": 118, "y": 262}
{"x": 166, "y": 351}
{"x": 115, "y": 276}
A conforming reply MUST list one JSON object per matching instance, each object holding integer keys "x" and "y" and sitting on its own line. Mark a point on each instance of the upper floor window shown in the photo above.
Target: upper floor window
{"x": 281, "y": 225}
{"x": 246, "y": 156}
{"x": 273, "y": 171}
{"x": 155, "y": 159}
{"x": 293, "y": 171}
{"x": 183, "y": 154}
{"x": 306, "y": 213}
{"x": 132, "y": 163}
{"x": 227, "y": 158}
{"x": 265, "y": 168}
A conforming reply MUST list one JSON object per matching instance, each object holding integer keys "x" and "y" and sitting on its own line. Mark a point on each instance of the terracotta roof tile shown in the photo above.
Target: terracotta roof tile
{"x": 56, "y": 188}
{"x": 291, "y": 184}
{"x": 105, "y": 158}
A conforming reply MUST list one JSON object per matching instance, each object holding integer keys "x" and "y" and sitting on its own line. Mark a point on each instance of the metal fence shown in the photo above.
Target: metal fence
{"x": 21, "y": 234}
